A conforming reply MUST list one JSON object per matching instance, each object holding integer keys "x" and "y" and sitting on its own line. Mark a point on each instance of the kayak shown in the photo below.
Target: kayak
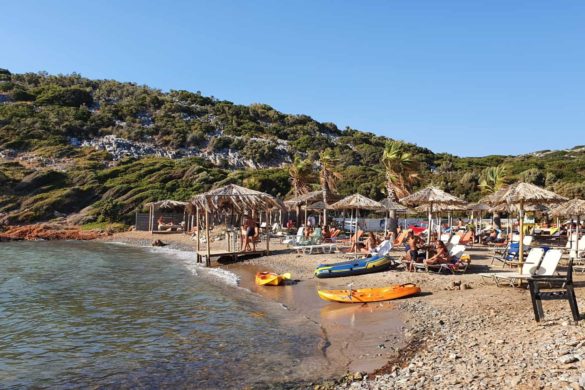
{"x": 361, "y": 266}
{"x": 362, "y": 295}
{"x": 270, "y": 278}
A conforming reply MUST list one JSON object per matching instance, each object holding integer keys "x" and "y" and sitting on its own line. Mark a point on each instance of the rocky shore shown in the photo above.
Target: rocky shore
{"x": 48, "y": 231}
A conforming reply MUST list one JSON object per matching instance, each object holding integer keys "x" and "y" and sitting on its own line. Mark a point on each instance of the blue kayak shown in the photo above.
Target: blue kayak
{"x": 361, "y": 266}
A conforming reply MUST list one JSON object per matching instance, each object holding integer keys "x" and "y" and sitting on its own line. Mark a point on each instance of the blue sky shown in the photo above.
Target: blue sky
{"x": 466, "y": 77}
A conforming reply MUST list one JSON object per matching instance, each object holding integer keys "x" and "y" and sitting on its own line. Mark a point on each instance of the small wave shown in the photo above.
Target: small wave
{"x": 190, "y": 262}
{"x": 226, "y": 276}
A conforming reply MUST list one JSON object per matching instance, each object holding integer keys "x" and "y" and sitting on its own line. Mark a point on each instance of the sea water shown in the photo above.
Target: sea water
{"x": 79, "y": 314}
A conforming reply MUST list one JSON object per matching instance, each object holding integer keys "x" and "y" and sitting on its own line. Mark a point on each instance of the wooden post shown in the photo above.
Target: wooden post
{"x": 198, "y": 230}
{"x": 521, "y": 251}
{"x": 268, "y": 232}
{"x": 429, "y": 229}
{"x": 208, "y": 260}
{"x": 150, "y": 219}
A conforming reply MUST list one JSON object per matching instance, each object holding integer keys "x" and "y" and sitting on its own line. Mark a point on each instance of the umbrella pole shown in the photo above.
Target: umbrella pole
{"x": 521, "y": 251}
{"x": 577, "y": 238}
{"x": 429, "y": 228}
{"x": 198, "y": 230}
{"x": 208, "y": 248}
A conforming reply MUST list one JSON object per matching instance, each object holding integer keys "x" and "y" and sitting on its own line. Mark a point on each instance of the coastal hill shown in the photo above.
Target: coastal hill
{"x": 97, "y": 150}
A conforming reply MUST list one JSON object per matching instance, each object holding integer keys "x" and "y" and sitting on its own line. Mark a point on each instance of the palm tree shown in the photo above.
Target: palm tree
{"x": 493, "y": 179}
{"x": 401, "y": 172}
{"x": 328, "y": 177}
{"x": 300, "y": 172}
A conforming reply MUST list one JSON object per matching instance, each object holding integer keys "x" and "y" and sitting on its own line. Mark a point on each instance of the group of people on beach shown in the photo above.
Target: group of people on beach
{"x": 438, "y": 251}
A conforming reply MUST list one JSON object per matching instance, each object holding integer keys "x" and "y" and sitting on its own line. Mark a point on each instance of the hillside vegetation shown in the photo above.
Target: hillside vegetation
{"x": 197, "y": 142}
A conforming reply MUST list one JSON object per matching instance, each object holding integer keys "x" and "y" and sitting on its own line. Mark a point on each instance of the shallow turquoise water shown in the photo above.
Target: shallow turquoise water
{"x": 78, "y": 314}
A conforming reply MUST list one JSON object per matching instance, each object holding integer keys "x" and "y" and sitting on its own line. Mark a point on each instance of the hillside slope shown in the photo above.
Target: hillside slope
{"x": 69, "y": 144}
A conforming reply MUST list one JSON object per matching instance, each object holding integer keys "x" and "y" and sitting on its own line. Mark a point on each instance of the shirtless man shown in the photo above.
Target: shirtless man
{"x": 413, "y": 246}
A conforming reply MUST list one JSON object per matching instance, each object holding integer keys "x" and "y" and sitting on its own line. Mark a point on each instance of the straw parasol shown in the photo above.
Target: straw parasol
{"x": 308, "y": 198}
{"x": 524, "y": 194}
{"x": 389, "y": 204}
{"x": 167, "y": 204}
{"x": 317, "y": 206}
{"x": 574, "y": 208}
{"x": 432, "y": 197}
{"x": 238, "y": 198}
{"x": 357, "y": 202}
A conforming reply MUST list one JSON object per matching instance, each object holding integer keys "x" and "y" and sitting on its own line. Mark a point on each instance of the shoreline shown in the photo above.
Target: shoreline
{"x": 357, "y": 350}
{"x": 478, "y": 337}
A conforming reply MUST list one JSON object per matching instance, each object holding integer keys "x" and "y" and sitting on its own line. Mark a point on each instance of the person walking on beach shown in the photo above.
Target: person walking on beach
{"x": 250, "y": 233}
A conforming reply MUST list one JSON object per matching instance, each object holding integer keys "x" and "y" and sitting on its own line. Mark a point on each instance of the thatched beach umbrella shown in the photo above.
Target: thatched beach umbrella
{"x": 478, "y": 208}
{"x": 525, "y": 194}
{"x": 306, "y": 199}
{"x": 357, "y": 202}
{"x": 390, "y": 206}
{"x": 431, "y": 197}
{"x": 441, "y": 208}
{"x": 574, "y": 208}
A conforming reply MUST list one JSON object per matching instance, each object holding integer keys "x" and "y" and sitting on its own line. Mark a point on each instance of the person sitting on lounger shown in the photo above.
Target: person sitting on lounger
{"x": 162, "y": 226}
{"x": 441, "y": 256}
{"x": 326, "y": 232}
{"x": 492, "y": 237}
{"x": 370, "y": 244}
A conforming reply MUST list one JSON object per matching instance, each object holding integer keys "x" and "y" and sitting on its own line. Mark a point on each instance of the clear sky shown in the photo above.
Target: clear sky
{"x": 468, "y": 77}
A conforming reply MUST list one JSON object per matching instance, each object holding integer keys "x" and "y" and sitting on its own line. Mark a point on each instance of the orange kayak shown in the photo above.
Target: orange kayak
{"x": 270, "y": 278}
{"x": 362, "y": 295}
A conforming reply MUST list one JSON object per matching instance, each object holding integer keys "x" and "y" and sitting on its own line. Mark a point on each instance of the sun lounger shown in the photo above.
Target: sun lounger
{"x": 455, "y": 254}
{"x": 528, "y": 268}
{"x": 547, "y": 267}
{"x": 509, "y": 255}
{"x": 467, "y": 238}
{"x": 293, "y": 240}
{"x": 309, "y": 249}
{"x": 400, "y": 239}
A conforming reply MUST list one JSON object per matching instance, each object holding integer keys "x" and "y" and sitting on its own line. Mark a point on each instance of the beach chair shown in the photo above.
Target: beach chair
{"x": 467, "y": 238}
{"x": 400, "y": 239}
{"x": 383, "y": 249}
{"x": 509, "y": 254}
{"x": 547, "y": 267}
{"x": 309, "y": 249}
{"x": 455, "y": 254}
{"x": 532, "y": 262}
{"x": 293, "y": 240}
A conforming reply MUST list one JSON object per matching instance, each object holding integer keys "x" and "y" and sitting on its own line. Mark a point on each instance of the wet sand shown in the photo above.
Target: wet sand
{"x": 358, "y": 334}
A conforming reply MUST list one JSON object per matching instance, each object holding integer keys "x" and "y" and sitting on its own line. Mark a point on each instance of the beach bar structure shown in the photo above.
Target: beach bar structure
{"x": 232, "y": 200}
{"x": 172, "y": 211}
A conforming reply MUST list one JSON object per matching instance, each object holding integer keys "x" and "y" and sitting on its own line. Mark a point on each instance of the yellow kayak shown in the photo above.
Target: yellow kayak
{"x": 270, "y": 278}
{"x": 362, "y": 295}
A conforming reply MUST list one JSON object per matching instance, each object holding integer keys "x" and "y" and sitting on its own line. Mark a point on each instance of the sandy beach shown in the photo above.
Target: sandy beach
{"x": 461, "y": 332}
